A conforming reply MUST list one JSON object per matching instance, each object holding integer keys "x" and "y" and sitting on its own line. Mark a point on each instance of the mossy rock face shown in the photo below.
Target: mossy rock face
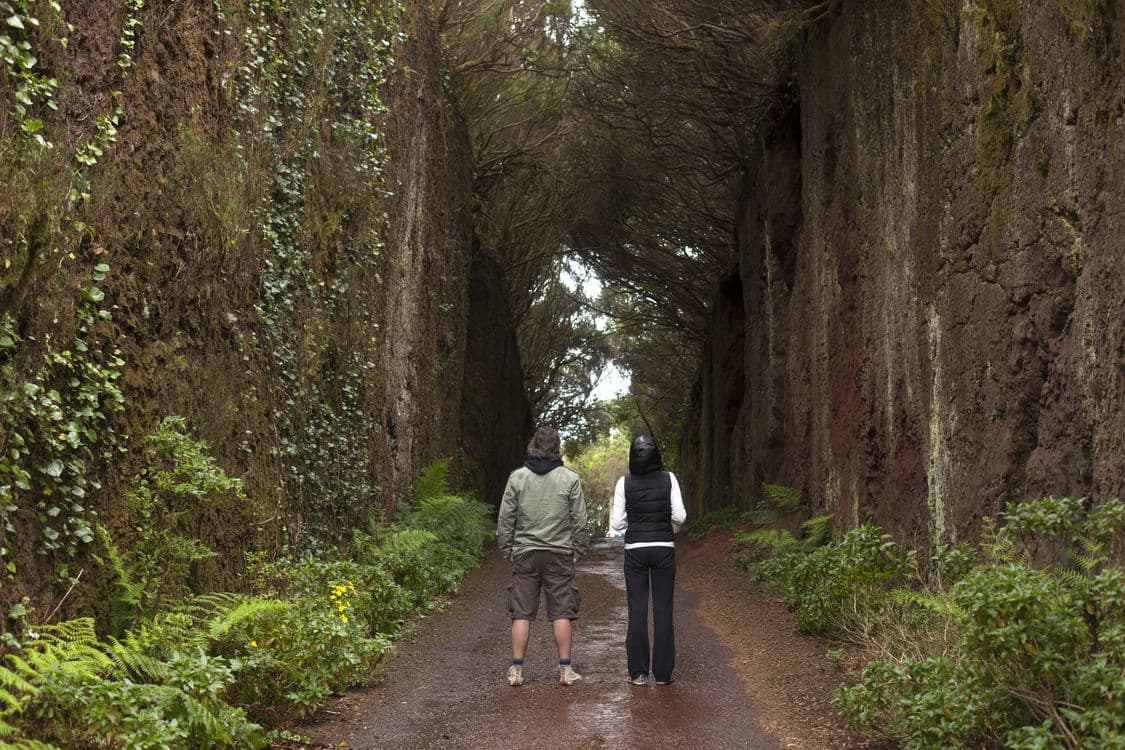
{"x": 1006, "y": 105}
{"x": 288, "y": 252}
{"x": 943, "y": 332}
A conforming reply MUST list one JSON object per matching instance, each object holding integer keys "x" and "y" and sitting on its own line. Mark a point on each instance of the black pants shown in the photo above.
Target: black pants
{"x": 658, "y": 566}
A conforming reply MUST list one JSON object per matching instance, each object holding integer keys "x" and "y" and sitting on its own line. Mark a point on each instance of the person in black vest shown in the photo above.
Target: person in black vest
{"x": 648, "y": 507}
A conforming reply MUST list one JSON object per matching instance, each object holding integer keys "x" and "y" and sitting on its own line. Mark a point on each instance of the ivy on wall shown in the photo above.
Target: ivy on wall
{"x": 322, "y": 61}
{"x": 304, "y": 95}
{"x": 55, "y": 425}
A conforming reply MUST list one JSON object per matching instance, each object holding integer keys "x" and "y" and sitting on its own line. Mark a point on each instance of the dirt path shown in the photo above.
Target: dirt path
{"x": 743, "y": 678}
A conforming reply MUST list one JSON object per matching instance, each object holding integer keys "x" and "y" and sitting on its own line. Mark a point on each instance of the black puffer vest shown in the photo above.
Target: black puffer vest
{"x": 648, "y": 495}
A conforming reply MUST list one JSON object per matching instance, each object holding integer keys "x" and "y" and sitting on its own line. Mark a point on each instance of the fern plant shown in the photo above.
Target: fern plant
{"x": 432, "y": 482}
{"x": 9, "y": 740}
{"x": 780, "y": 498}
{"x": 816, "y": 531}
{"x": 67, "y": 649}
{"x": 454, "y": 520}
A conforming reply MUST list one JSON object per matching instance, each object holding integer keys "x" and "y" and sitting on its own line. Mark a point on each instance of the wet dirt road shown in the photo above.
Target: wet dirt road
{"x": 445, "y": 687}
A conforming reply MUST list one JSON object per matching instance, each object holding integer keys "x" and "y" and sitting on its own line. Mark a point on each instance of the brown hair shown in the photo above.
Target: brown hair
{"x": 545, "y": 444}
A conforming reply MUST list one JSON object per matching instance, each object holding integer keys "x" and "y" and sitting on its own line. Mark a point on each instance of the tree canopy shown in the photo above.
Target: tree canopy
{"x": 614, "y": 135}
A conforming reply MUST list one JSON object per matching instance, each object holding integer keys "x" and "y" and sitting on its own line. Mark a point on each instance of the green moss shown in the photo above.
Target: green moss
{"x": 1086, "y": 19}
{"x": 1006, "y": 105}
{"x": 940, "y": 15}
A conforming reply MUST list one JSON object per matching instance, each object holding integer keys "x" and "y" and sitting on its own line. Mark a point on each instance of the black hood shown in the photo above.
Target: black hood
{"x": 542, "y": 465}
{"x": 644, "y": 456}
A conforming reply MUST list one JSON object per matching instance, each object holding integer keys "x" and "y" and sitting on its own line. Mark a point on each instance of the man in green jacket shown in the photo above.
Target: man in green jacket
{"x": 542, "y": 529}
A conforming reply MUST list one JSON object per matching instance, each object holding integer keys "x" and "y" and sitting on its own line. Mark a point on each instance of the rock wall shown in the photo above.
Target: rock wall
{"x": 495, "y": 415}
{"x": 306, "y": 317}
{"x": 931, "y": 262}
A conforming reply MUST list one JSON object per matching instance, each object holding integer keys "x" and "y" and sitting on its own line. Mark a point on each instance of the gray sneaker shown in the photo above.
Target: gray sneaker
{"x": 639, "y": 679}
{"x": 567, "y": 675}
{"x": 515, "y": 675}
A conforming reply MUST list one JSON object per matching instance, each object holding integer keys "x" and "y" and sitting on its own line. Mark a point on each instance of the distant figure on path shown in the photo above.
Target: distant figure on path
{"x": 648, "y": 507}
{"x": 542, "y": 529}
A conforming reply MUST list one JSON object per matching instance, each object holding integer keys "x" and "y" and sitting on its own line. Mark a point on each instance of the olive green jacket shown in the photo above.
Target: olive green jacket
{"x": 542, "y": 511}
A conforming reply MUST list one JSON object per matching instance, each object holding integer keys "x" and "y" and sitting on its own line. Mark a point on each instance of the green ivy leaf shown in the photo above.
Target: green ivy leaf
{"x": 54, "y": 469}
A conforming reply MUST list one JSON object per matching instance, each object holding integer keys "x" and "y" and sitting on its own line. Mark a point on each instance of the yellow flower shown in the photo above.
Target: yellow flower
{"x": 343, "y": 618}
{"x": 253, "y": 644}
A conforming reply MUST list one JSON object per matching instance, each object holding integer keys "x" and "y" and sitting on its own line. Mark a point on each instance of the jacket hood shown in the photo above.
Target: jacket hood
{"x": 644, "y": 456}
{"x": 542, "y": 465}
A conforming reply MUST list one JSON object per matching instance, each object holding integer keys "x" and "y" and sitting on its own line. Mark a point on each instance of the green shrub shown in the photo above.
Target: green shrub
{"x": 184, "y": 707}
{"x": 751, "y": 548}
{"x": 835, "y": 589}
{"x": 339, "y": 622}
{"x": 456, "y": 521}
{"x": 949, "y": 564}
{"x": 180, "y": 481}
{"x": 419, "y": 563}
{"x": 1036, "y": 655}
{"x": 462, "y": 524}
{"x": 61, "y": 684}
{"x": 205, "y": 671}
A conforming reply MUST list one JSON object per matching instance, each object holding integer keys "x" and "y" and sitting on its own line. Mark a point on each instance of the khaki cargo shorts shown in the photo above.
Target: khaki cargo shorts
{"x": 551, "y": 571}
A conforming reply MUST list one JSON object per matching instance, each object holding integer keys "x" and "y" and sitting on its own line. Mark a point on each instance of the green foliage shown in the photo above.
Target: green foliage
{"x": 185, "y": 707}
{"x": 68, "y": 647}
{"x": 1020, "y": 656}
{"x": 456, "y": 522}
{"x": 776, "y": 502}
{"x": 816, "y": 531}
{"x": 949, "y": 564}
{"x": 433, "y": 482}
{"x": 599, "y": 465}
{"x": 753, "y": 547}
{"x": 344, "y": 612}
{"x": 320, "y": 62}
{"x": 780, "y": 498}
{"x": 724, "y": 518}
{"x": 63, "y": 686}
{"x": 324, "y": 641}
{"x": 195, "y": 671}
{"x": 750, "y": 547}
{"x": 420, "y": 564}
{"x": 56, "y": 429}
{"x": 30, "y": 89}
{"x": 125, "y": 599}
{"x": 180, "y": 483}
{"x": 835, "y": 589}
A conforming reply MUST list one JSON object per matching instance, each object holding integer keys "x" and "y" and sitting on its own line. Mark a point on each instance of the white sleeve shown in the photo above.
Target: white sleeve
{"x": 617, "y": 519}
{"x": 678, "y": 512}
